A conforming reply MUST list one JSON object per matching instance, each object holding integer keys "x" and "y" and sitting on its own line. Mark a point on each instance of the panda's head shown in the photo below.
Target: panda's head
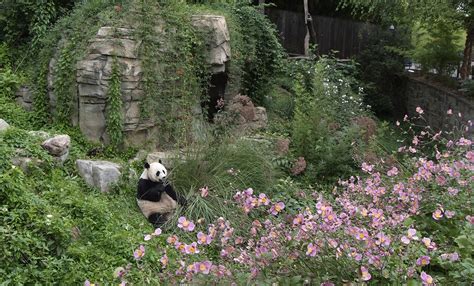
{"x": 155, "y": 172}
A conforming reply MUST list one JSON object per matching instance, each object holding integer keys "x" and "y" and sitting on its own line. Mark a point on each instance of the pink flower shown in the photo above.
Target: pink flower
{"x": 203, "y": 267}
{"x": 147, "y": 237}
{"x": 367, "y": 167}
{"x": 382, "y": 239}
{"x": 172, "y": 239}
{"x": 411, "y": 236}
{"x": 312, "y": 250}
{"x": 470, "y": 219}
{"x": 428, "y": 243}
{"x": 191, "y": 248}
{"x": 263, "y": 200}
{"x": 298, "y": 219}
{"x": 397, "y": 123}
{"x": 423, "y": 260}
{"x": 220, "y": 103}
{"x": 365, "y": 273}
{"x": 419, "y": 110}
{"x": 449, "y": 112}
{"x": 88, "y": 283}
{"x": 451, "y": 256}
{"x": 185, "y": 224}
{"x": 157, "y": 232}
{"x": 437, "y": 214}
{"x": 470, "y": 156}
{"x": 277, "y": 208}
{"x": 203, "y": 238}
{"x": 204, "y": 191}
{"x": 415, "y": 140}
{"x": 426, "y": 279}
{"x": 454, "y": 257}
{"x": 449, "y": 214}
{"x": 392, "y": 172}
{"x": 181, "y": 247}
{"x": 164, "y": 260}
{"x": 452, "y": 191}
{"x": 139, "y": 252}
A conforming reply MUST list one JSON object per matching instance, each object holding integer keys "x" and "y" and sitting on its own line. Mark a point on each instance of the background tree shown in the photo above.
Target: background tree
{"x": 455, "y": 13}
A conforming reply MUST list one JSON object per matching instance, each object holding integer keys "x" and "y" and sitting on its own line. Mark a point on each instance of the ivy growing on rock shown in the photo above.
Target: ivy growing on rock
{"x": 114, "y": 107}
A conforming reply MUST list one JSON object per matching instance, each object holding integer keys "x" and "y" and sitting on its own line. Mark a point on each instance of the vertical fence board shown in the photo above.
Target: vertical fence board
{"x": 345, "y": 36}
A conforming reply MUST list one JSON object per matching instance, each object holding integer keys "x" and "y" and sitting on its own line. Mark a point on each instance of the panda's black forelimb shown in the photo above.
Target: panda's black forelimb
{"x": 157, "y": 220}
{"x": 177, "y": 197}
{"x": 170, "y": 191}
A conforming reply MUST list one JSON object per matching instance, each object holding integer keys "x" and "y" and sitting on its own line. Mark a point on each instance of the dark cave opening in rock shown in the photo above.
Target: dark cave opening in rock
{"x": 215, "y": 92}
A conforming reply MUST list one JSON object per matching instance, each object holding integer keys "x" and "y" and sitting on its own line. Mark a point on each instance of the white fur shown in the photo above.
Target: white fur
{"x": 164, "y": 206}
{"x": 150, "y": 173}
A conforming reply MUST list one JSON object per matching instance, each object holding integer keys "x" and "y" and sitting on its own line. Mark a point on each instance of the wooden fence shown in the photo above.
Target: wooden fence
{"x": 345, "y": 36}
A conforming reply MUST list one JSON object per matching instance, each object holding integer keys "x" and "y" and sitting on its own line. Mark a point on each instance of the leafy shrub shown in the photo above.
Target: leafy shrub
{"x": 379, "y": 64}
{"x": 257, "y": 53}
{"x": 322, "y": 131}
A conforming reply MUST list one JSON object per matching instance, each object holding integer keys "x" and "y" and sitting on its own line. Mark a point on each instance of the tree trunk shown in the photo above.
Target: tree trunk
{"x": 306, "y": 38}
{"x": 466, "y": 61}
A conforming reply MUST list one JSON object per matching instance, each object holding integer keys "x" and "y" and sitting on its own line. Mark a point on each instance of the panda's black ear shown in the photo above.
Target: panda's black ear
{"x": 159, "y": 161}
{"x": 147, "y": 165}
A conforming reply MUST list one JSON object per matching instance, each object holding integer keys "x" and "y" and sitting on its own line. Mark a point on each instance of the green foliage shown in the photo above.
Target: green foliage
{"x": 66, "y": 41}
{"x": 322, "y": 130}
{"x": 23, "y": 20}
{"x": 437, "y": 47}
{"x": 114, "y": 107}
{"x": 258, "y": 54}
{"x": 173, "y": 64}
{"x": 223, "y": 168}
{"x": 55, "y": 229}
{"x": 380, "y": 64}
{"x": 64, "y": 83}
{"x": 9, "y": 82}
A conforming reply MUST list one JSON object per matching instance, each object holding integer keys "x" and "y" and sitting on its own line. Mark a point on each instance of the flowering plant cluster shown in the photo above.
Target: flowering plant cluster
{"x": 408, "y": 221}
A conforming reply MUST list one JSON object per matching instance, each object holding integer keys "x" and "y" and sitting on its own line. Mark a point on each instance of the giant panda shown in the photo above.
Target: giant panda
{"x": 155, "y": 196}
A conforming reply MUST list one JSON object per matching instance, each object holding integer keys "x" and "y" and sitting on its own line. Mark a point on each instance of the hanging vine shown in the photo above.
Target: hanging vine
{"x": 114, "y": 107}
{"x": 172, "y": 54}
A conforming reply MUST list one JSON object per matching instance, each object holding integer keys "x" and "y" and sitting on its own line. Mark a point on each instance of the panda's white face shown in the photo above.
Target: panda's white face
{"x": 155, "y": 172}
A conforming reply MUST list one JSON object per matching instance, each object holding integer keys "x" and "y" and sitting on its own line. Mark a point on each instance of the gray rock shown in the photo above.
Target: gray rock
{"x": 218, "y": 39}
{"x": 94, "y": 70}
{"x": 100, "y": 174}
{"x": 169, "y": 159}
{"x": 24, "y": 97}
{"x": 92, "y": 120}
{"x": 58, "y": 145}
{"x": 3, "y": 125}
{"x": 26, "y": 163}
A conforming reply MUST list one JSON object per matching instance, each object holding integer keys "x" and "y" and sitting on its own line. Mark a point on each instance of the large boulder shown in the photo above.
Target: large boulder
{"x": 169, "y": 159}
{"x": 218, "y": 40}
{"x": 94, "y": 72}
{"x": 3, "y": 125}
{"x": 58, "y": 147}
{"x": 248, "y": 117}
{"x": 100, "y": 174}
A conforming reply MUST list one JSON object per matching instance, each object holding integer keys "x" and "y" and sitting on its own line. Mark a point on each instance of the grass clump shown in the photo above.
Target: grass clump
{"x": 223, "y": 169}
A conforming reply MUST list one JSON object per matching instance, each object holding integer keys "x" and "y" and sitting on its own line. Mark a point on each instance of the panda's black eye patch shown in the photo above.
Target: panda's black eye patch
{"x": 158, "y": 173}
